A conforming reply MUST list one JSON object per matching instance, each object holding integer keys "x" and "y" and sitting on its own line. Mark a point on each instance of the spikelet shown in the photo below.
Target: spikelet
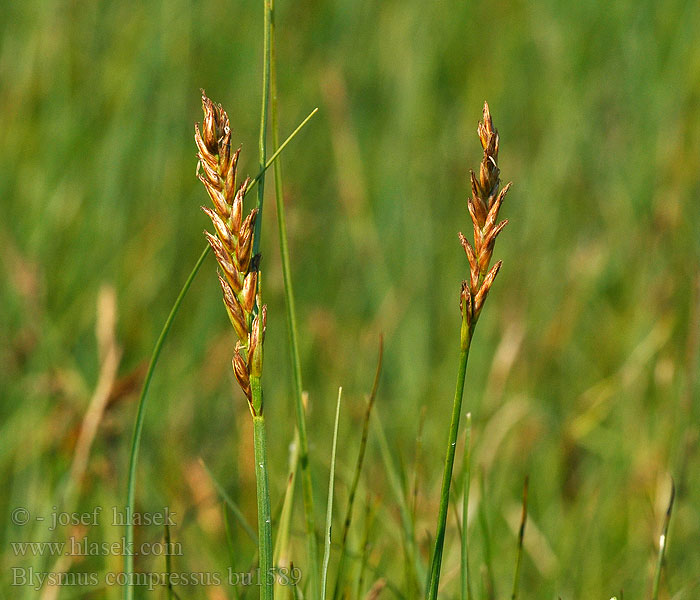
{"x": 233, "y": 242}
{"x": 483, "y": 204}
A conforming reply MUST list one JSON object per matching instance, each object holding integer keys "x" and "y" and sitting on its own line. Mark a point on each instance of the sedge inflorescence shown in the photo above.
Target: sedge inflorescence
{"x": 484, "y": 205}
{"x": 233, "y": 242}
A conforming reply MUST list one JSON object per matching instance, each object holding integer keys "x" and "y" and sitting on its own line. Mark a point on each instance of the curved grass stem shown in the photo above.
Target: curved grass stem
{"x": 303, "y": 456}
{"x": 155, "y": 355}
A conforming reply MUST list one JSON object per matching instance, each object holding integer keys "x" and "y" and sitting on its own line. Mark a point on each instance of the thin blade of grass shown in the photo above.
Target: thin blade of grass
{"x": 369, "y": 520}
{"x": 521, "y": 536}
{"x": 140, "y": 411}
{"x": 465, "y": 579}
{"x": 295, "y": 588}
{"x": 229, "y": 542}
{"x": 240, "y": 517}
{"x": 358, "y": 470}
{"x": 663, "y": 539}
{"x": 329, "y": 508}
{"x": 293, "y": 337}
{"x": 489, "y": 589}
{"x": 281, "y": 554}
{"x": 414, "y": 564}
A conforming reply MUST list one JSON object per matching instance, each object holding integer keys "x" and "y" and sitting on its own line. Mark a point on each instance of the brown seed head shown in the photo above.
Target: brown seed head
{"x": 484, "y": 205}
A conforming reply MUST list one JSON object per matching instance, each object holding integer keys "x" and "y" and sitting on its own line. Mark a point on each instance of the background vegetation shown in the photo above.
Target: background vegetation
{"x": 583, "y": 373}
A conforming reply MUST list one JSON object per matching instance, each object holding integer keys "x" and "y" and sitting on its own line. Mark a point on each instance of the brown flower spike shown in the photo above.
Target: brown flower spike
{"x": 483, "y": 204}
{"x": 233, "y": 242}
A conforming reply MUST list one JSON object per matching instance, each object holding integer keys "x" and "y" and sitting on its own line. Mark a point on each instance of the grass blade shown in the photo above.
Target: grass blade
{"x": 306, "y": 479}
{"x": 465, "y": 579}
{"x": 414, "y": 564}
{"x": 489, "y": 589}
{"x": 240, "y": 517}
{"x": 329, "y": 508}
{"x": 281, "y": 554}
{"x": 155, "y": 355}
{"x": 358, "y": 470}
{"x": 168, "y": 561}
{"x": 364, "y": 549}
{"x": 663, "y": 538}
{"x": 521, "y": 536}
{"x": 264, "y": 109}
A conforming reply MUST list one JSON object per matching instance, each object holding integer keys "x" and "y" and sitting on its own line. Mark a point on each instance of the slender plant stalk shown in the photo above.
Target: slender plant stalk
{"x": 168, "y": 561}
{"x": 281, "y": 553}
{"x": 263, "y": 495}
{"x": 265, "y": 548}
{"x": 484, "y": 206}
{"x": 414, "y": 567}
{"x": 447, "y": 478}
{"x": 303, "y": 456}
{"x": 521, "y": 537}
{"x": 364, "y": 548}
{"x": 358, "y": 470}
{"x": 465, "y": 579}
{"x": 487, "y": 573}
{"x": 155, "y": 355}
{"x": 329, "y": 507}
{"x": 264, "y": 108}
{"x": 662, "y": 544}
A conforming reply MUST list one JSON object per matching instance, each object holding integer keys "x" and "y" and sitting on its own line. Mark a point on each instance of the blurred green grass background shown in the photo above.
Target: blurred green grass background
{"x": 583, "y": 373}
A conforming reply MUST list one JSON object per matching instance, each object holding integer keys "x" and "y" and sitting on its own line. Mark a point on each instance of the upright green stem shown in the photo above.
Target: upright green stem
{"x": 267, "y": 575}
{"x": 432, "y": 590}
{"x": 303, "y": 456}
{"x": 464, "y": 572}
{"x": 263, "y": 491}
{"x": 662, "y": 544}
{"x": 267, "y": 5}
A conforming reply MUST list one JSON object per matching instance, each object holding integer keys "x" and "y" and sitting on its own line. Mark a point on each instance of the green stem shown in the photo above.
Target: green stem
{"x": 465, "y": 579}
{"x": 432, "y": 590}
{"x": 662, "y": 544}
{"x": 303, "y": 456}
{"x": 263, "y": 120}
{"x": 356, "y": 476}
{"x": 263, "y": 494}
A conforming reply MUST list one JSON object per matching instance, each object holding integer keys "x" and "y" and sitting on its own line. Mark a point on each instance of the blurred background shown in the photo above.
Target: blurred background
{"x": 583, "y": 371}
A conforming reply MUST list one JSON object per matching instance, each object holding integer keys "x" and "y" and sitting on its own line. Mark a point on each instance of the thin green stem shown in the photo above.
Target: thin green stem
{"x": 140, "y": 411}
{"x": 663, "y": 539}
{"x": 356, "y": 475}
{"x": 267, "y": 9}
{"x": 434, "y": 580}
{"x": 303, "y": 457}
{"x": 329, "y": 506}
{"x": 263, "y": 495}
{"x": 521, "y": 537}
{"x": 465, "y": 579}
